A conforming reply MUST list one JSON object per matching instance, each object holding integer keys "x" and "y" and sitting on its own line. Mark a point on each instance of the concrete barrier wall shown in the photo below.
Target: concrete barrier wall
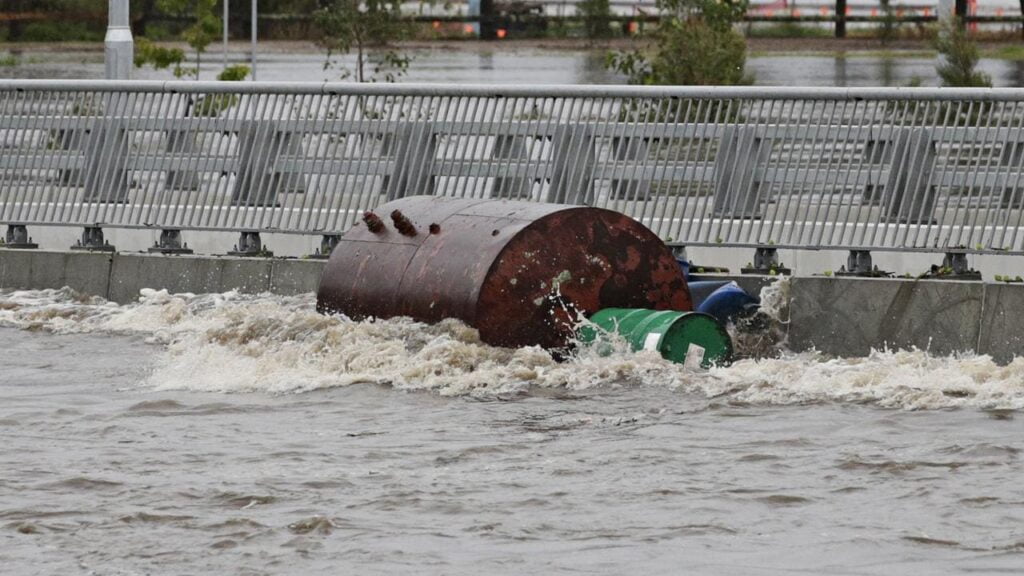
{"x": 837, "y": 316}
{"x": 119, "y": 277}
{"x": 850, "y": 316}
{"x": 85, "y": 272}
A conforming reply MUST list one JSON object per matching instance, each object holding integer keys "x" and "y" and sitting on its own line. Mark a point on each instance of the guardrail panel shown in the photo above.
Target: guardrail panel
{"x": 912, "y": 169}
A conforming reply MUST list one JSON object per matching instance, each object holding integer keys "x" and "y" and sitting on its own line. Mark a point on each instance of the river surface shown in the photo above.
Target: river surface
{"x": 229, "y": 434}
{"x": 482, "y": 64}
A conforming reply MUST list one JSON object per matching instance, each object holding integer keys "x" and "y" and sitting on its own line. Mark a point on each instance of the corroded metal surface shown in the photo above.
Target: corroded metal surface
{"x": 519, "y": 272}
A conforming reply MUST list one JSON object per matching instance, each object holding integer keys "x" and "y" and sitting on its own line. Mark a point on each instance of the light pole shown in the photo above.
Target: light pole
{"x": 118, "y": 47}
{"x": 225, "y": 50}
{"x": 255, "y": 3}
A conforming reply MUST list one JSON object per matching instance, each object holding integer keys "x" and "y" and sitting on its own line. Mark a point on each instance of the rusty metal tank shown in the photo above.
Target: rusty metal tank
{"x": 519, "y": 272}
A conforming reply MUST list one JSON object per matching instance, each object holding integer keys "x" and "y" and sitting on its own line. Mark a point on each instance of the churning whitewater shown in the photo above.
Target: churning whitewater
{"x": 230, "y": 343}
{"x": 232, "y": 434}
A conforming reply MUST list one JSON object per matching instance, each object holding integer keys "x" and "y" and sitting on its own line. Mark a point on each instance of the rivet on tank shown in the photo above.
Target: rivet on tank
{"x": 521, "y": 273}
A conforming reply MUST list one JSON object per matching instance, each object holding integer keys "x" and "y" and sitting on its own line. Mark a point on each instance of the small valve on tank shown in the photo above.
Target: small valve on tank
{"x": 403, "y": 224}
{"x": 373, "y": 222}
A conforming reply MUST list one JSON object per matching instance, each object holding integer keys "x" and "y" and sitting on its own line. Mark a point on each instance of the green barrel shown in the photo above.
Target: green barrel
{"x": 673, "y": 334}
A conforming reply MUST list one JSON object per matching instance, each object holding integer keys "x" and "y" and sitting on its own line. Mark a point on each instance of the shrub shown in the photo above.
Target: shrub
{"x": 694, "y": 45}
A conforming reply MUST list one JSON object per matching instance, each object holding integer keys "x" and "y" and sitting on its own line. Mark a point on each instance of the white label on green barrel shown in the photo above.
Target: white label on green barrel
{"x": 651, "y": 342}
{"x": 694, "y": 356}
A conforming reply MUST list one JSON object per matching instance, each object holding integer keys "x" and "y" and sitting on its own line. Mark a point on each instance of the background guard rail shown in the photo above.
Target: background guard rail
{"x": 862, "y": 169}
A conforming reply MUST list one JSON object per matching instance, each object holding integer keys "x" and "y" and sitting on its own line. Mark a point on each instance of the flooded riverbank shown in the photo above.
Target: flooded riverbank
{"x": 772, "y": 62}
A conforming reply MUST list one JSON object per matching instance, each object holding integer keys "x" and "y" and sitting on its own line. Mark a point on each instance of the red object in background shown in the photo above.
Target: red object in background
{"x": 502, "y": 33}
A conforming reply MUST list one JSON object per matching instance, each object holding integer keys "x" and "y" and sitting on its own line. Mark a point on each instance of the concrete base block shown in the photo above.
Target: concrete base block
{"x": 133, "y": 272}
{"x": 850, "y": 316}
{"x": 1002, "y": 336}
{"x": 247, "y": 275}
{"x": 85, "y": 272}
{"x": 289, "y": 277}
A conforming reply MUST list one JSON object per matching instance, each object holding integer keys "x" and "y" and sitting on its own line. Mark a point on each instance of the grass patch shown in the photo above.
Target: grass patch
{"x": 8, "y": 61}
{"x": 789, "y": 30}
{"x": 879, "y": 54}
{"x": 1011, "y": 52}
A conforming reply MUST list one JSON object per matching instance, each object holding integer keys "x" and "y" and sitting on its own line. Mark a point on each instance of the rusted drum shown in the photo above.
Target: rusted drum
{"x": 519, "y": 272}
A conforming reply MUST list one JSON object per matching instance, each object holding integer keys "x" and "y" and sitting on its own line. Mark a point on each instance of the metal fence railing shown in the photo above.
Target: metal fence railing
{"x": 876, "y": 169}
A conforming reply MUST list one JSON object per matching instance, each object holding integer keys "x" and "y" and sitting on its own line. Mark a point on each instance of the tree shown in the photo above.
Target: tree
{"x": 205, "y": 28}
{"x": 695, "y": 44}
{"x": 958, "y": 58}
{"x": 596, "y": 18}
{"x": 348, "y": 26}
{"x": 887, "y": 31}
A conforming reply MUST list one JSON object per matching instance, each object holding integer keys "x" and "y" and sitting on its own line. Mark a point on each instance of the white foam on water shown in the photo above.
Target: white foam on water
{"x": 273, "y": 344}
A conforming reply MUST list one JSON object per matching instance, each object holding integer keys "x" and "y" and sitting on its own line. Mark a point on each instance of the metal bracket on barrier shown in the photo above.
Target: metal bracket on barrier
{"x": 327, "y": 244}
{"x": 17, "y": 237}
{"x": 766, "y": 261}
{"x": 573, "y": 160}
{"x": 259, "y": 182}
{"x": 632, "y": 152}
{"x": 92, "y": 241}
{"x": 878, "y": 152}
{"x": 106, "y": 158}
{"x": 250, "y": 246}
{"x": 1012, "y": 155}
{"x": 180, "y": 142}
{"x": 858, "y": 264}
{"x": 510, "y": 149}
{"x": 170, "y": 243}
{"x": 739, "y": 164}
{"x": 909, "y": 195}
{"x": 415, "y": 155}
{"x": 679, "y": 253}
{"x": 954, "y": 267}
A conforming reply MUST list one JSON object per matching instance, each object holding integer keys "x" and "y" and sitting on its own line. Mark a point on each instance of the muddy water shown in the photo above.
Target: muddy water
{"x": 248, "y": 435}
